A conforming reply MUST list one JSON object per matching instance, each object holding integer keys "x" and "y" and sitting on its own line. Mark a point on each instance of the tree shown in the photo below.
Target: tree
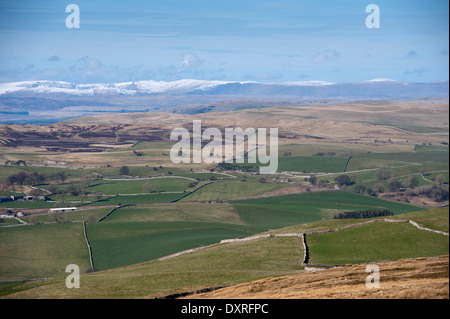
{"x": 438, "y": 193}
{"x": 313, "y": 180}
{"x": 361, "y": 189}
{"x": 394, "y": 184}
{"x": 97, "y": 195}
{"x": 412, "y": 182}
{"x": 383, "y": 174}
{"x": 371, "y": 192}
{"x": 124, "y": 170}
{"x": 343, "y": 180}
{"x": 53, "y": 188}
{"x": 440, "y": 179}
{"x": 379, "y": 187}
{"x": 322, "y": 183}
{"x": 146, "y": 188}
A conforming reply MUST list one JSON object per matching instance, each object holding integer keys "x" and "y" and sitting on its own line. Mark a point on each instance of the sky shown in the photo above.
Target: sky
{"x": 227, "y": 40}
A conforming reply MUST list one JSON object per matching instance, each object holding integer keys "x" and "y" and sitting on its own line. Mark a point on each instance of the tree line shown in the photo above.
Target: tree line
{"x": 364, "y": 214}
{"x": 34, "y": 178}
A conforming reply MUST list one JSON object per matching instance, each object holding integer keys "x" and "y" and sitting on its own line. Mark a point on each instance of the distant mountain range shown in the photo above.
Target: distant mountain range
{"x": 378, "y": 88}
{"x": 22, "y": 102}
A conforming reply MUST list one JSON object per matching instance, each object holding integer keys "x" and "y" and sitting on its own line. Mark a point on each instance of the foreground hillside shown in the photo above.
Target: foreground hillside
{"x": 258, "y": 257}
{"x": 420, "y": 278}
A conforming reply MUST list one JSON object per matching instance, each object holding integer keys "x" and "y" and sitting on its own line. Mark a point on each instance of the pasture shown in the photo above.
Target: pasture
{"x": 39, "y": 251}
{"x": 280, "y": 211}
{"x": 237, "y": 262}
{"x": 375, "y": 242}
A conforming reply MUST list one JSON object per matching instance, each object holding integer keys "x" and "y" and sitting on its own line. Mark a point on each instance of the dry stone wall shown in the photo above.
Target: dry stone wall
{"x": 303, "y": 239}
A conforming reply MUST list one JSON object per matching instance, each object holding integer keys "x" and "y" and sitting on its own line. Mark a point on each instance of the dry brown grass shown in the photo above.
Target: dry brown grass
{"x": 345, "y": 124}
{"x": 421, "y": 278}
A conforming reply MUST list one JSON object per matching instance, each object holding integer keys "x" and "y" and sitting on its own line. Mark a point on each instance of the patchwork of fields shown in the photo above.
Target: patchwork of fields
{"x": 139, "y": 207}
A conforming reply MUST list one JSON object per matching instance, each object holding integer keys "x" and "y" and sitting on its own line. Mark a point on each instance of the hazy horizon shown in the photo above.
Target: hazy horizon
{"x": 261, "y": 41}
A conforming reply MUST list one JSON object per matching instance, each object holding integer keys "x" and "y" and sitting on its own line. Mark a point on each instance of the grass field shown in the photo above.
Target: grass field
{"x": 202, "y": 212}
{"x": 137, "y": 199}
{"x": 222, "y": 264}
{"x": 375, "y": 242}
{"x": 78, "y": 215}
{"x": 125, "y": 243}
{"x": 233, "y": 263}
{"x": 307, "y": 164}
{"x": 41, "y": 250}
{"x": 161, "y": 184}
{"x": 280, "y": 211}
{"x": 231, "y": 189}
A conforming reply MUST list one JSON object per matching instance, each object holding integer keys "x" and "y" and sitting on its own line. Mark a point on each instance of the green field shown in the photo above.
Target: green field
{"x": 160, "y": 184}
{"x": 375, "y": 242}
{"x": 280, "y": 211}
{"x": 79, "y": 215}
{"x": 125, "y": 243}
{"x": 219, "y": 265}
{"x": 204, "y": 212}
{"x": 145, "y": 232}
{"x": 231, "y": 189}
{"x": 233, "y": 263}
{"x": 307, "y": 164}
{"x": 137, "y": 199}
{"x": 42, "y": 250}
{"x": 148, "y": 231}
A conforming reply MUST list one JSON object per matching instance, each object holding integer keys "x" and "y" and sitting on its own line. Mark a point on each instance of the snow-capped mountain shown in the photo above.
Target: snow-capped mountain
{"x": 132, "y": 88}
{"x": 35, "y": 100}
{"x": 374, "y": 89}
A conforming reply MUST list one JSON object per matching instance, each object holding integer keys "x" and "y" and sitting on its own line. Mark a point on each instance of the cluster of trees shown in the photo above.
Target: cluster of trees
{"x": 364, "y": 214}
{"x": 34, "y": 178}
{"x": 322, "y": 183}
{"x": 330, "y": 154}
{"x": 387, "y": 182}
{"x": 435, "y": 192}
{"x": 22, "y": 178}
{"x": 343, "y": 180}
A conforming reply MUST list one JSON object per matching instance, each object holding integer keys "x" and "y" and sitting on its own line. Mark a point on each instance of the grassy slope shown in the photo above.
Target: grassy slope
{"x": 41, "y": 250}
{"x": 225, "y": 264}
{"x": 113, "y": 187}
{"x": 280, "y": 211}
{"x": 375, "y": 242}
{"x": 231, "y": 189}
{"x": 120, "y": 244}
{"x": 222, "y": 264}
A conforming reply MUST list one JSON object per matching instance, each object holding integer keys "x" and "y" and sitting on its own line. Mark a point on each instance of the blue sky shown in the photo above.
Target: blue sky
{"x": 245, "y": 40}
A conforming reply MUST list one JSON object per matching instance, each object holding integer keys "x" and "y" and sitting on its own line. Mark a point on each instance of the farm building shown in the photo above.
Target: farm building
{"x": 8, "y": 215}
{"x": 62, "y": 210}
{"x": 21, "y": 214}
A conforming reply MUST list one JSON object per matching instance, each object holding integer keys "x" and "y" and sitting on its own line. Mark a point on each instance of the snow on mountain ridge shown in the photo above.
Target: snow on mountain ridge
{"x": 129, "y": 88}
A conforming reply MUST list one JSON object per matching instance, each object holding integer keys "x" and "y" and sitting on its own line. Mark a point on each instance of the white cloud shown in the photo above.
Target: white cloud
{"x": 326, "y": 56}
{"x": 190, "y": 61}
